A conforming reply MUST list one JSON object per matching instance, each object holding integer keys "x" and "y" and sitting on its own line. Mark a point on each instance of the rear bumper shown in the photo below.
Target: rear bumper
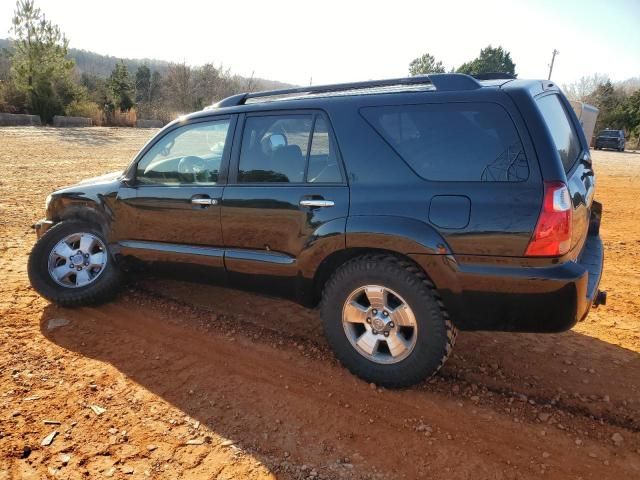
{"x": 521, "y": 299}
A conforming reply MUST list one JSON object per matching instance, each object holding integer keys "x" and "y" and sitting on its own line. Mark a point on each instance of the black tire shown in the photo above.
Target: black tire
{"x": 436, "y": 333}
{"x": 103, "y": 288}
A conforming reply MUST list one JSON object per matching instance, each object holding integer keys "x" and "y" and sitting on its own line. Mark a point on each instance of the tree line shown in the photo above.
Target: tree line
{"x": 619, "y": 104}
{"x": 38, "y": 77}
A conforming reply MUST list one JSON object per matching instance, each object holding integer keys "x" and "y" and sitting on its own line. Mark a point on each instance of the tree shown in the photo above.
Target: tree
{"x": 143, "y": 84}
{"x": 490, "y": 60}
{"x": 179, "y": 87}
{"x": 40, "y": 69}
{"x": 584, "y": 87}
{"x": 155, "y": 86}
{"x": 607, "y": 99}
{"x": 427, "y": 63}
{"x": 121, "y": 87}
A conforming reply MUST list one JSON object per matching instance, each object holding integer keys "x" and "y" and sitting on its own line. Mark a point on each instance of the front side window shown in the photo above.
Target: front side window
{"x": 293, "y": 148}
{"x": 453, "y": 142}
{"x": 191, "y": 154}
{"x": 564, "y": 135}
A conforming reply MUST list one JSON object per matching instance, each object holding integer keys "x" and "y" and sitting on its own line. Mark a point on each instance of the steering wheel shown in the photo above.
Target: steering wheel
{"x": 190, "y": 168}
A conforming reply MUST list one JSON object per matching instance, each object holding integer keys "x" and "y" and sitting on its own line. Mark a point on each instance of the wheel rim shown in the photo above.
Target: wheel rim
{"x": 77, "y": 260}
{"x": 379, "y": 324}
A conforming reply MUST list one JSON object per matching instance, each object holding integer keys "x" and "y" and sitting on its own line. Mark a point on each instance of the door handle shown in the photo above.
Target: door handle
{"x": 204, "y": 201}
{"x": 317, "y": 203}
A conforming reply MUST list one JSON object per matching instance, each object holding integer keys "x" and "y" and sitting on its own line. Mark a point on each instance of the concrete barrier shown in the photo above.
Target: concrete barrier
{"x": 149, "y": 124}
{"x": 61, "y": 121}
{"x": 14, "y": 119}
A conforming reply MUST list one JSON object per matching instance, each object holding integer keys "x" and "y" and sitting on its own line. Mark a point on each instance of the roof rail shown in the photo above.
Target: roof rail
{"x": 494, "y": 76}
{"x": 444, "y": 82}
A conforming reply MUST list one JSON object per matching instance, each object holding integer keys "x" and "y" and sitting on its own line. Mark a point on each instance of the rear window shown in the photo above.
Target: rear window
{"x": 453, "y": 142}
{"x": 564, "y": 135}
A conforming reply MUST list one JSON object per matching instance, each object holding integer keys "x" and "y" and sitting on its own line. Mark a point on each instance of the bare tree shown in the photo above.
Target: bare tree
{"x": 583, "y": 88}
{"x": 178, "y": 87}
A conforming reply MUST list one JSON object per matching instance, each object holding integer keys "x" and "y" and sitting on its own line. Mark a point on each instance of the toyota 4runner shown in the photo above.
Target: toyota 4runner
{"x": 406, "y": 208}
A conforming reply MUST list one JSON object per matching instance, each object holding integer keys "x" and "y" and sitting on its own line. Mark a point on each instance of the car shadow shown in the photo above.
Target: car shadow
{"x": 571, "y": 370}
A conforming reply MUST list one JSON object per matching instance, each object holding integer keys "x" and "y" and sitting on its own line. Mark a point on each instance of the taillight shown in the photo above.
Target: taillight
{"x": 552, "y": 236}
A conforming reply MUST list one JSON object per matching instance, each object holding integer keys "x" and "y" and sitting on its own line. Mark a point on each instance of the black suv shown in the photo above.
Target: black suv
{"x": 407, "y": 208}
{"x": 610, "y": 139}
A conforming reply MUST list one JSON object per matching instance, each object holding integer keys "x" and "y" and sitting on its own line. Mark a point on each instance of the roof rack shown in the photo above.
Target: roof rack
{"x": 444, "y": 82}
{"x": 494, "y": 76}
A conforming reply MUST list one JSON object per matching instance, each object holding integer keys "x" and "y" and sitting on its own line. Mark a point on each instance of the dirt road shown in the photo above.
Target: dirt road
{"x": 185, "y": 380}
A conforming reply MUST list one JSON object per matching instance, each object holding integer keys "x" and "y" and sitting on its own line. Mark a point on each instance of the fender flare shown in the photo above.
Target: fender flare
{"x": 397, "y": 234}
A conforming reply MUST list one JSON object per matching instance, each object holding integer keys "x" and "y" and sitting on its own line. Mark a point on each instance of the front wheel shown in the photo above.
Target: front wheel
{"x": 385, "y": 321}
{"x": 71, "y": 265}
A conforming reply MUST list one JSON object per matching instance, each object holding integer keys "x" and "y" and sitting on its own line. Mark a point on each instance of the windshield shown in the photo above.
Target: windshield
{"x": 610, "y": 134}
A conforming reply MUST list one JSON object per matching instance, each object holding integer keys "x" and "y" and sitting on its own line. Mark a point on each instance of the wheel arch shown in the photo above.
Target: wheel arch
{"x": 402, "y": 237}
{"x": 338, "y": 258}
{"x": 86, "y": 211}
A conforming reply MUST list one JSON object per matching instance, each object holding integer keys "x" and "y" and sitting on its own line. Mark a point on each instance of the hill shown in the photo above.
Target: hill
{"x": 102, "y": 65}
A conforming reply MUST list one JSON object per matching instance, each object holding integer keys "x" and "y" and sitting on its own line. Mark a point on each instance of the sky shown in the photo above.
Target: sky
{"x": 331, "y": 41}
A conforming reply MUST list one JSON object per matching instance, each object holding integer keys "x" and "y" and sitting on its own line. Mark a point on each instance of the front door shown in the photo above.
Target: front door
{"x": 286, "y": 185}
{"x": 174, "y": 205}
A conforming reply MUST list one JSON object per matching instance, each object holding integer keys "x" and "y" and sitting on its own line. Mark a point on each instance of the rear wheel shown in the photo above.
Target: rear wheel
{"x": 71, "y": 265}
{"x": 385, "y": 321}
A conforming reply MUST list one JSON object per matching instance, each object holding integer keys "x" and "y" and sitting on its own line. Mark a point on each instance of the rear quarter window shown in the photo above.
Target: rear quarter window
{"x": 560, "y": 126}
{"x": 453, "y": 142}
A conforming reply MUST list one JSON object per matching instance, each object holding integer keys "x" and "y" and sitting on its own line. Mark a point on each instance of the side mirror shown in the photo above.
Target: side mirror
{"x": 127, "y": 182}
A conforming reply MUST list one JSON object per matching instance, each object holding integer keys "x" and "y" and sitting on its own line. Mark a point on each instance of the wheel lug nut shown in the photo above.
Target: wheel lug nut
{"x": 368, "y": 319}
{"x": 375, "y": 332}
{"x": 386, "y": 334}
{"x": 385, "y": 313}
{"x": 79, "y": 268}
{"x": 71, "y": 265}
{"x": 86, "y": 264}
{"x": 375, "y": 312}
{"x": 391, "y": 324}
{"x": 86, "y": 255}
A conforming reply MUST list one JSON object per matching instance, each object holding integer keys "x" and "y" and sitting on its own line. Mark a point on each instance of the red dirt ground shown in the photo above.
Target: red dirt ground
{"x": 203, "y": 382}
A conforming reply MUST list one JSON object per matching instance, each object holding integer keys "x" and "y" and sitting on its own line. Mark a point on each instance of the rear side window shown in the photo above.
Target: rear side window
{"x": 564, "y": 136}
{"x": 453, "y": 142}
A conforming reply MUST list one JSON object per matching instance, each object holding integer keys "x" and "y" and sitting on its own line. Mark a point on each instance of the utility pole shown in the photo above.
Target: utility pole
{"x": 553, "y": 58}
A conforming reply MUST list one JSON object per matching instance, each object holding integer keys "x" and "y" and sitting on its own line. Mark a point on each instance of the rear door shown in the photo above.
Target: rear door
{"x": 286, "y": 183}
{"x": 575, "y": 161}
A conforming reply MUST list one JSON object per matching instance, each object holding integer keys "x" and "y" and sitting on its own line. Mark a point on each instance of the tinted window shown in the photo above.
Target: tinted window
{"x": 274, "y": 148}
{"x": 187, "y": 155}
{"x": 323, "y": 160}
{"x": 611, "y": 134}
{"x": 457, "y": 142}
{"x": 564, "y": 136}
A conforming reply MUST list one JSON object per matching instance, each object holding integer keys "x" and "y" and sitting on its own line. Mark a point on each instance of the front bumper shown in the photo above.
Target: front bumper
{"x": 614, "y": 144}
{"x": 41, "y": 227}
